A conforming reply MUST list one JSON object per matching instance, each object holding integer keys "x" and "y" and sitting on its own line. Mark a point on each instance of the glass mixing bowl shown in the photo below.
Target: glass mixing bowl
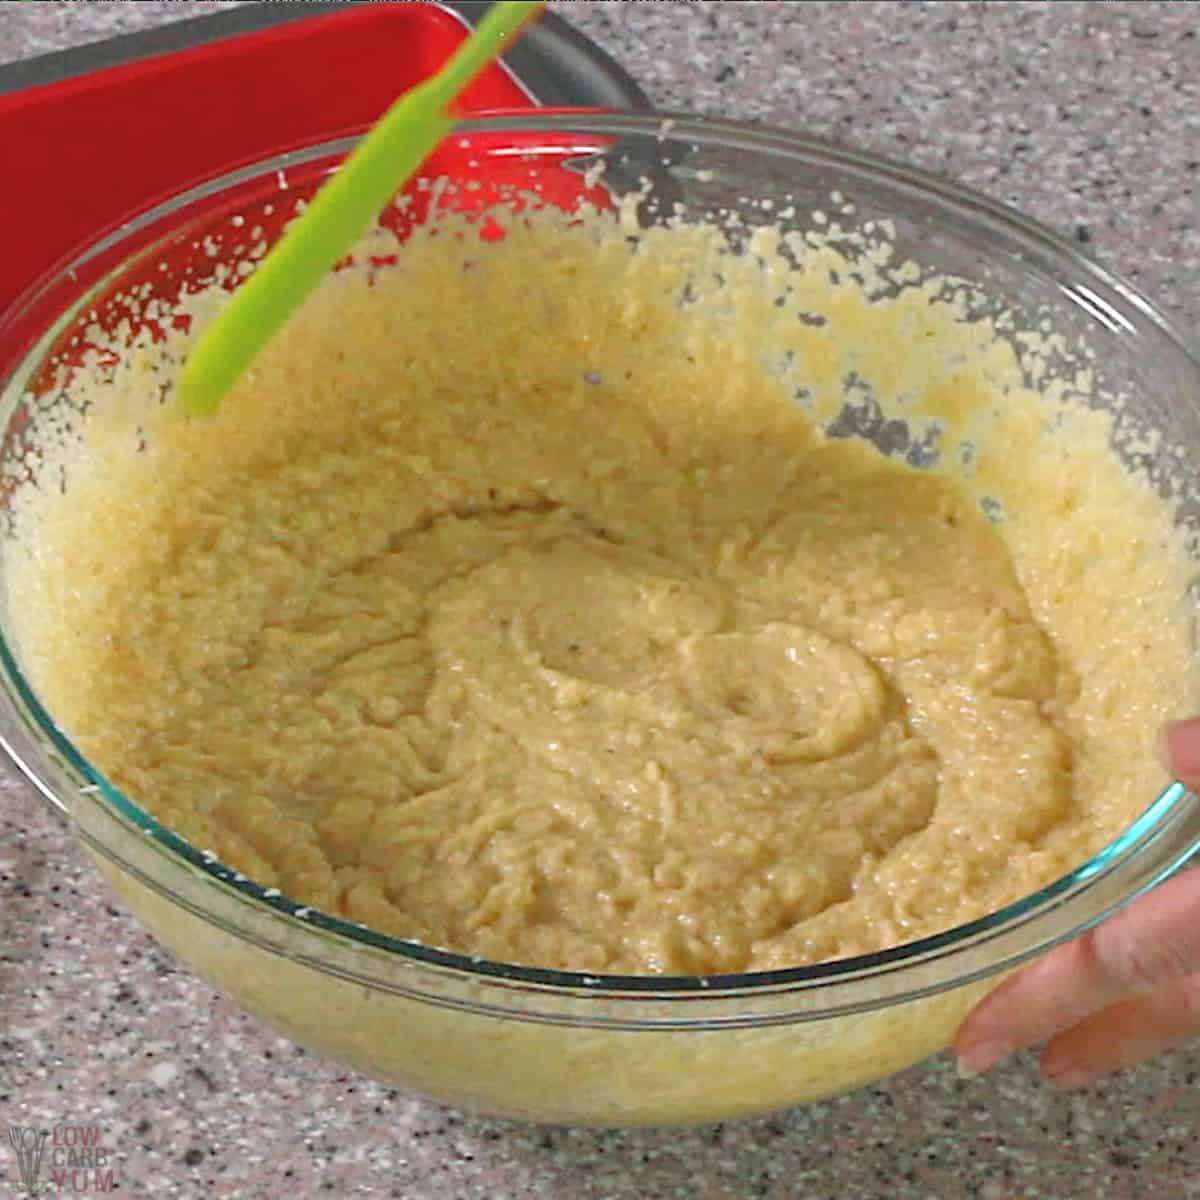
{"x": 549, "y": 1045}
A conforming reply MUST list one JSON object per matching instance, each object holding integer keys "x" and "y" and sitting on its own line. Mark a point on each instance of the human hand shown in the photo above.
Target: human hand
{"x": 1123, "y": 992}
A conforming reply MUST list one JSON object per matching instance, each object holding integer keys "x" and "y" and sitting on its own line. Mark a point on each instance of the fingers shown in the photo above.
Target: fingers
{"x": 1181, "y": 750}
{"x": 1125, "y": 1033}
{"x": 1121, "y": 993}
{"x": 1153, "y": 942}
{"x": 1038, "y": 1002}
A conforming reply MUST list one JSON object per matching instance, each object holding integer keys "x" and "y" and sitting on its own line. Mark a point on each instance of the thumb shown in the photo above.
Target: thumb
{"x": 1180, "y": 743}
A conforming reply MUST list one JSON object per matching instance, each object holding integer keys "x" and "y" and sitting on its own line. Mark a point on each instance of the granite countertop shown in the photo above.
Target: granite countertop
{"x": 1087, "y": 116}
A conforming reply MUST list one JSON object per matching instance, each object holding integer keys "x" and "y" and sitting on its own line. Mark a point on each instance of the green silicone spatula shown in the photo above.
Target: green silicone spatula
{"x": 340, "y": 213}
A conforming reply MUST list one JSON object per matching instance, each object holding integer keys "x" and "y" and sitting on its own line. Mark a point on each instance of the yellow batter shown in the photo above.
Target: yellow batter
{"x": 513, "y": 606}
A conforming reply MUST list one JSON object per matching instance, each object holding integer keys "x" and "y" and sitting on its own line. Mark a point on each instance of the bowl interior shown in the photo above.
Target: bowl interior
{"x": 999, "y": 264}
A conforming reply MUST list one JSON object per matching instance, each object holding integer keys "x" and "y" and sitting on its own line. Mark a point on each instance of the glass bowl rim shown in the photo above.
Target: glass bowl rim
{"x": 765, "y": 140}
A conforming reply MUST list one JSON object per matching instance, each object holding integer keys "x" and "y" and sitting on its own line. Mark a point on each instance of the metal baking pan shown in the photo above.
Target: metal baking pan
{"x": 96, "y": 133}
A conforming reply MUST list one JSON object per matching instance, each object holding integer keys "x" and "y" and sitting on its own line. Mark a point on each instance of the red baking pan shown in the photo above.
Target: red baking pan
{"x": 94, "y": 134}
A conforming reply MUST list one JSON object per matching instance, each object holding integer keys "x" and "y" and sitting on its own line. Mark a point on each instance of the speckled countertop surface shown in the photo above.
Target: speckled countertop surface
{"x": 1086, "y": 116}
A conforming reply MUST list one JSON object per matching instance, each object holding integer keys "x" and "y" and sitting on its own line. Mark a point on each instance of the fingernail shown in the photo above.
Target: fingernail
{"x": 1179, "y": 748}
{"x": 979, "y": 1057}
{"x": 964, "y": 1072}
